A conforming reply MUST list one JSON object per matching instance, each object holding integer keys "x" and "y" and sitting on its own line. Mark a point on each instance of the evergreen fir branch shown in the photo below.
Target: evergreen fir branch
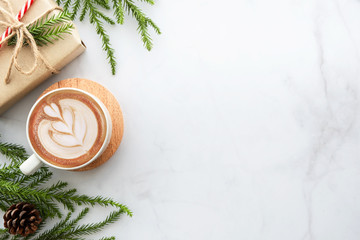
{"x": 39, "y": 177}
{"x": 5, "y": 236}
{"x": 67, "y": 4}
{"x": 16, "y": 187}
{"x": 106, "y": 18}
{"x": 100, "y": 30}
{"x": 142, "y": 28}
{"x": 143, "y": 23}
{"x": 4, "y": 205}
{"x": 59, "y": 227}
{"x": 75, "y": 9}
{"x": 7, "y": 174}
{"x": 92, "y": 8}
{"x": 14, "y": 175}
{"x": 49, "y": 29}
{"x": 13, "y": 193}
{"x": 53, "y": 34}
{"x": 68, "y": 229}
{"x": 56, "y": 228}
{"x": 84, "y": 10}
{"x": 46, "y": 196}
{"x": 88, "y": 229}
{"x": 99, "y": 200}
{"x": 57, "y": 186}
{"x": 103, "y": 3}
{"x": 13, "y": 152}
{"x": 49, "y": 21}
{"x": 118, "y": 11}
{"x": 151, "y": 2}
{"x": 153, "y": 25}
{"x": 81, "y": 215}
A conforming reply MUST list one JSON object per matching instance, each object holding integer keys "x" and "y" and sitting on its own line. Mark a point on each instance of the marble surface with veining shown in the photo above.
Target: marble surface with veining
{"x": 242, "y": 123}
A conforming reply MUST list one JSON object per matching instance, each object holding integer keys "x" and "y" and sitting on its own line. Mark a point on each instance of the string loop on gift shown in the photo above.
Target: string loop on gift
{"x": 18, "y": 28}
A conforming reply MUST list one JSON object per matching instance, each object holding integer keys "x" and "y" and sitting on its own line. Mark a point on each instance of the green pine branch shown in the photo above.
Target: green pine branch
{"x": 16, "y": 187}
{"x": 107, "y": 238}
{"x": 87, "y": 229}
{"x": 95, "y": 9}
{"x": 143, "y": 22}
{"x": 13, "y": 152}
{"x": 53, "y": 34}
{"x": 48, "y": 29}
{"x": 102, "y": 3}
{"x": 94, "y": 15}
{"x": 68, "y": 228}
{"x": 67, "y": 3}
{"x": 119, "y": 11}
{"x": 76, "y": 7}
{"x": 48, "y": 197}
{"x": 50, "y": 21}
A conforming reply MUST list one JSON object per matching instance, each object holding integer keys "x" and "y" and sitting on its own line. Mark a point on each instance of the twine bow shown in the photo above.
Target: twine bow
{"x": 22, "y": 33}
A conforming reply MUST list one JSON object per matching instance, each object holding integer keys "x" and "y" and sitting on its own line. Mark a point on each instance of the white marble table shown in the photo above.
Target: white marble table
{"x": 242, "y": 123}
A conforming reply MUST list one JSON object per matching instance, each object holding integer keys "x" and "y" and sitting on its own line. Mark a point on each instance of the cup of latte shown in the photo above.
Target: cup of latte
{"x": 67, "y": 128}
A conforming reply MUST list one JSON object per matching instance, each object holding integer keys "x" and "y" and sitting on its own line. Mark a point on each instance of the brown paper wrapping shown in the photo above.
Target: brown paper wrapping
{"x": 58, "y": 55}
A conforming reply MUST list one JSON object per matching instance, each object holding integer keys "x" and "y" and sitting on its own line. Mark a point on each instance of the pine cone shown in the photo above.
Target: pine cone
{"x": 22, "y": 218}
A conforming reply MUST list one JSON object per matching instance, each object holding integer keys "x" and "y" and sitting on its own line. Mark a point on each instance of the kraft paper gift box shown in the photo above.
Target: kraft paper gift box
{"x": 59, "y": 54}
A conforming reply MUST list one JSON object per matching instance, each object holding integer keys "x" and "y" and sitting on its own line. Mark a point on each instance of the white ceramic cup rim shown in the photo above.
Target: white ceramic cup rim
{"x": 107, "y": 136}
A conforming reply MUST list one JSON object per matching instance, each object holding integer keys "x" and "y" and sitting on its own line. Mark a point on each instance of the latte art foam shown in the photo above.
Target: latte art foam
{"x": 67, "y": 128}
{"x": 68, "y": 135}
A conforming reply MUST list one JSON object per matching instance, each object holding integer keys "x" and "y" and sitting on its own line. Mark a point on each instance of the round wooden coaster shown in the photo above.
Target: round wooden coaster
{"x": 112, "y": 105}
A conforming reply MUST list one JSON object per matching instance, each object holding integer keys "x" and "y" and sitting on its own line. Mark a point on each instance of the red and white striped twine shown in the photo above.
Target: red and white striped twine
{"x": 19, "y": 16}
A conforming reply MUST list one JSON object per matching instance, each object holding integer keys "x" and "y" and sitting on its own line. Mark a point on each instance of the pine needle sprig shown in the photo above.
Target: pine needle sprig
{"x": 143, "y": 22}
{"x": 67, "y": 4}
{"x": 13, "y": 152}
{"x": 151, "y": 2}
{"x": 53, "y": 34}
{"x": 54, "y": 194}
{"x": 119, "y": 11}
{"x": 69, "y": 229}
{"x": 49, "y": 29}
{"x": 94, "y": 9}
{"x": 60, "y": 227}
{"x": 91, "y": 228}
{"x": 100, "y": 30}
{"x": 84, "y": 11}
{"x": 105, "y": 18}
{"x": 16, "y": 187}
{"x": 75, "y": 8}
{"x": 4, "y": 235}
{"x": 102, "y": 3}
{"x": 39, "y": 177}
{"x": 49, "y": 21}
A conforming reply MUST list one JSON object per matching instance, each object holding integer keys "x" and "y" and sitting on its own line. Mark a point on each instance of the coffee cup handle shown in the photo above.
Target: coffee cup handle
{"x": 31, "y": 165}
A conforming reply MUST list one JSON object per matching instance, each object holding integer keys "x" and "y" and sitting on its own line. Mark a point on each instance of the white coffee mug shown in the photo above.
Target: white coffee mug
{"x": 34, "y": 162}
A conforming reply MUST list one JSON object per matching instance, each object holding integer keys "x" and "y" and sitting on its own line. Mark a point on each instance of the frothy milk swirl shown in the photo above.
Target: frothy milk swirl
{"x": 69, "y": 130}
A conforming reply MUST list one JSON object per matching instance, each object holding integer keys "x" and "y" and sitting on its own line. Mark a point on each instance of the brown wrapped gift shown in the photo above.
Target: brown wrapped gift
{"x": 57, "y": 55}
